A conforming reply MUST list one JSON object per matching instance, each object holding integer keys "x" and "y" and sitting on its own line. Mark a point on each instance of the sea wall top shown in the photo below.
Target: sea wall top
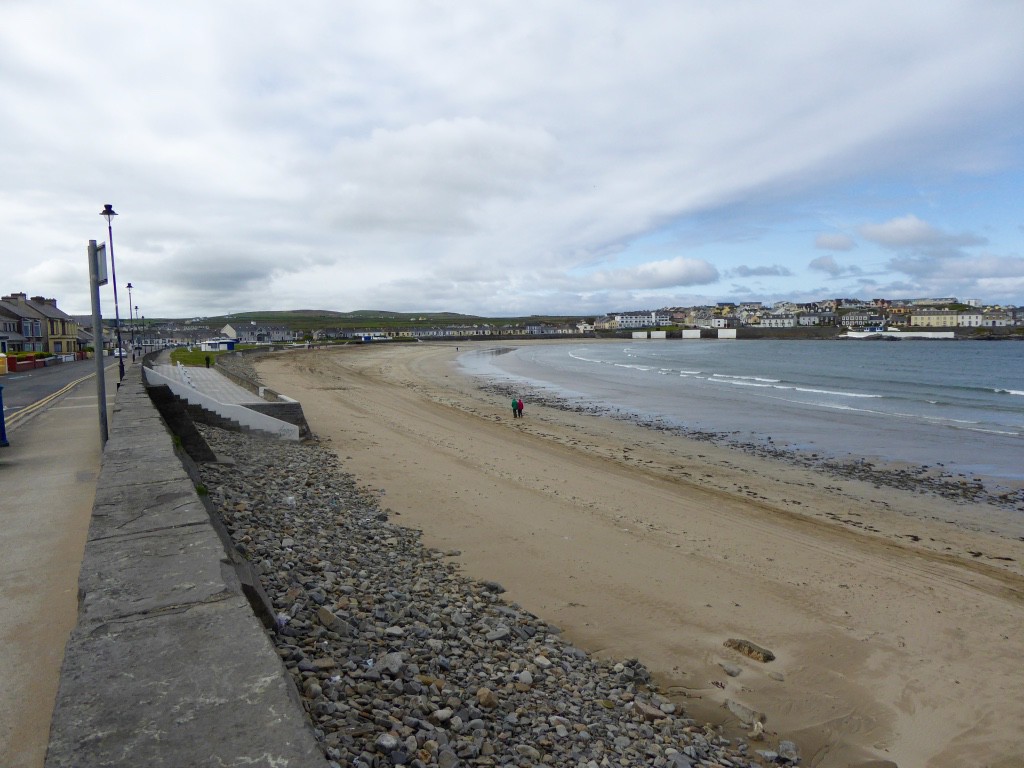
{"x": 168, "y": 665}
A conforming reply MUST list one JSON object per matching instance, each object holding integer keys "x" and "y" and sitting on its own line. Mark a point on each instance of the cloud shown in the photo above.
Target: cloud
{"x": 434, "y": 178}
{"x": 997, "y": 278}
{"x": 834, "y": 242}
{"x": 774, "y": 270}
{"x": 950, "y": 268}
{"x": 910, "y": 232}
{"x": 670, "y": 273}
{"x": 826, "y": 264}
{"x": 495, "y": 157}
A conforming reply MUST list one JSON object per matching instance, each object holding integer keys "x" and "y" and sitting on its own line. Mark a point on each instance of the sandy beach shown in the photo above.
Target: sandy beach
{"x": 895, "y": 630}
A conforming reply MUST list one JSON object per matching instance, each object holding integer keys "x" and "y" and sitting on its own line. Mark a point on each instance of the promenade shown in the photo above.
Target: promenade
{"x": 47, "y": 485}
{"x": 47, "y": 488}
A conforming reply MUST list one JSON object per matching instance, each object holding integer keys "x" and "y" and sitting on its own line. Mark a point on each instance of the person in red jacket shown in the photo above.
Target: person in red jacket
{"x": 519, "y": 407}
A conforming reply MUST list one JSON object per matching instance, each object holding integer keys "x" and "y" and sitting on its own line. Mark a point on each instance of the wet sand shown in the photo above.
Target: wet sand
{"x": 896, "y": 633}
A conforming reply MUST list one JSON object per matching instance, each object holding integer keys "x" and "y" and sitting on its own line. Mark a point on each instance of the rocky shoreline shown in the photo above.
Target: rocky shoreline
{"x": 400, "y": 660}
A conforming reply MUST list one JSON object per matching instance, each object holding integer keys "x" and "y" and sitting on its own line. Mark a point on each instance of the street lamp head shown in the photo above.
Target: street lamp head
{"x": 129, "y": 286}
{"x": 108, "y": 213}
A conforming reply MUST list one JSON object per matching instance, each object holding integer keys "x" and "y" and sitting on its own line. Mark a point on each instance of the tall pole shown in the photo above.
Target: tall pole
{"x": 109, "y": 213}
{"x": 97, "y": 338}
{"x": 131, "y": 322}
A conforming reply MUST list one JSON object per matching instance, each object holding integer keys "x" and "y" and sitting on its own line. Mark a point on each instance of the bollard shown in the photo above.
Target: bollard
{"x": 3, "y": 421}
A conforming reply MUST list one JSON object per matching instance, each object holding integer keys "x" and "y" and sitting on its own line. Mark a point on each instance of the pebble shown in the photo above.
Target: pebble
{"x": 398, "y": 659}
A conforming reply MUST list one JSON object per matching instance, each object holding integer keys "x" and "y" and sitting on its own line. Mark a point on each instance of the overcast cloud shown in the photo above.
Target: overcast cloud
{"x": 512, "y": 157}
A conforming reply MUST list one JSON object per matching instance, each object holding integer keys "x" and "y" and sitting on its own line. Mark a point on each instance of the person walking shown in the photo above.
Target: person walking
{"x": 515, "y": 408}
{"x": 519, "y": 408}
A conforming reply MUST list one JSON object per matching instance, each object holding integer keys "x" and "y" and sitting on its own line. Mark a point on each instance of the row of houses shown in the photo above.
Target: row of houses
{"x": 845, "y": 313}
{"x": 36, "y": 324}
{"x": 840, "y": 312}
{"x": 919, "y": 318}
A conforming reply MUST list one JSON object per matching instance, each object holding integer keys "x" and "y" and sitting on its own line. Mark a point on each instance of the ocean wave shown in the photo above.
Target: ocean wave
{"x": 921, "y": 417}
{"x": 738, "y": 383}
{"x": 832, "y": 392}
{"x": 747, "y": 378}
{"x": 1019, "y": 393}
{"x": 583, "y": 359}
{"x": 994, "y": 431}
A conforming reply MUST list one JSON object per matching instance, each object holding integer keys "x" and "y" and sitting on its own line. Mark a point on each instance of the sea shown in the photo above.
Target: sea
{"x": 953, "y": 404}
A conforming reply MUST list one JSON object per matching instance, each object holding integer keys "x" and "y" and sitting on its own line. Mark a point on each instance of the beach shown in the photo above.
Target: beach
{"x": 893, "y": 614}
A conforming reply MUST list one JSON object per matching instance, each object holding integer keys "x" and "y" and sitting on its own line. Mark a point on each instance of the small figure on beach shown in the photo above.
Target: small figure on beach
{"x": 519, "y": 408}
{"x": 515, "y": 408}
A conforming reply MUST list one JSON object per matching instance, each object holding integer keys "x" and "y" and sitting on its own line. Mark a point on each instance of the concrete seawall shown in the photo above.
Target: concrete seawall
{"x": 168, "y": 665}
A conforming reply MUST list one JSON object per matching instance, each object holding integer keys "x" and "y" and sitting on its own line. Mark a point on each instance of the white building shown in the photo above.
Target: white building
{"x": 781, "y": 320}
{"x": 641, "y": 319}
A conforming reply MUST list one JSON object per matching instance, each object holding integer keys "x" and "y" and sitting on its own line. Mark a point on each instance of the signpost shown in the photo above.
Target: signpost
{"x": 98, "y": 277}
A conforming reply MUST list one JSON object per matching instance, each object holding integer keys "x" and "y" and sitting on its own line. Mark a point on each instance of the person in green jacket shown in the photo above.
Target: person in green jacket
{"x": 515, "y": 408}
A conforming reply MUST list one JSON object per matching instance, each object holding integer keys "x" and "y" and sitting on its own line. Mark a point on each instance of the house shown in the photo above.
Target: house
{"x": 217, "y": 345}
{"x": 60, "y": 329}
{"x": 780, "y": 320}
{"x": 641, "y": 319}
{"x": 862, "y": 318}
{"x": 972, "y": 318}
{"x": 259, "y": 334}
{"x": 10, "y": 338}
{"x": 816, "y": 318}
{"x": 30, "y": 321}
{"x": 935, "y": 318}
{"x": 996, "y": 320}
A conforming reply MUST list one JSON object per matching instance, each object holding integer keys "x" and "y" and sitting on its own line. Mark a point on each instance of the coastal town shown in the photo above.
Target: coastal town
{"x": 36, "y": 325}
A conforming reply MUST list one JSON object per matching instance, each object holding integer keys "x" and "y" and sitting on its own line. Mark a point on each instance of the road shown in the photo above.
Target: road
{"x": 47, "y": 486}
{"x": 27, "y": 391}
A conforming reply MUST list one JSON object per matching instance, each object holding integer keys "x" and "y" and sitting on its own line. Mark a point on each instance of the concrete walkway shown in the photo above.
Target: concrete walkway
{"x": 210, "y": 382}
{"x": 48, "y": 481}
{"x": 168, "y": 665}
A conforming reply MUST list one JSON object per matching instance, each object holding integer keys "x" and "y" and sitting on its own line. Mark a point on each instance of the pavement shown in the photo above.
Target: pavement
{"x": 158, "y": 610}
{"x": 48, "y": 479}
{"x": 212, "y": 383}
{"x": 167, "y": 665}
{"x": 208, "y": 381}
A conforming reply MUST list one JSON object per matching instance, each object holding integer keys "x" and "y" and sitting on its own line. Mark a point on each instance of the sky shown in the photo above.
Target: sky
{"x": 511, "y": 158}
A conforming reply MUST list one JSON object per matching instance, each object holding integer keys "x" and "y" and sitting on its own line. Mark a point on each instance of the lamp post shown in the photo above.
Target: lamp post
{"x": 131, "y": 322}
{"x": 109, "y": 213}
{"x": 138, "y": 331}
{"x": 131, "y": 319}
